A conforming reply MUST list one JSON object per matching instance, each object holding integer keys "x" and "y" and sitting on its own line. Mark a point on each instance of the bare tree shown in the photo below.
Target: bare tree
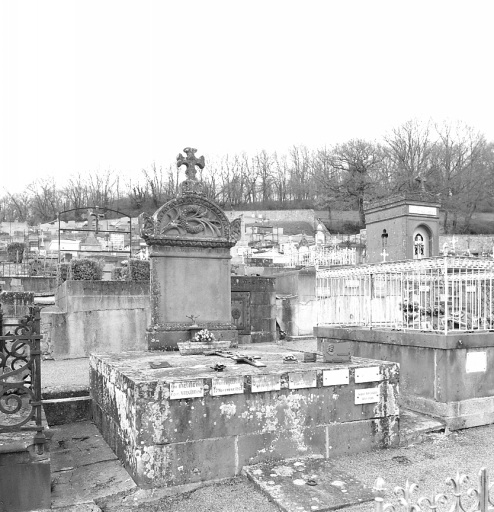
{"x": 300, "y": 169}
{"x": 76, "y": 192}
{"x": 45, "y": 200}
{"x": 102, "y": 188}
{"x": 409, "y": 147}
{"x": 460, "y": 164}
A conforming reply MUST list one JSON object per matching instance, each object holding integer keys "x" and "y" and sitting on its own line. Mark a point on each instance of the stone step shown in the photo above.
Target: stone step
{"x": 61, "y": 410}
{"x": 415, "y": 427}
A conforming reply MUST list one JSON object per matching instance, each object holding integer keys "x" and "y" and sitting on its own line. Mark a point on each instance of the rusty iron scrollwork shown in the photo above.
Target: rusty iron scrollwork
{"x": 20, "y": 377}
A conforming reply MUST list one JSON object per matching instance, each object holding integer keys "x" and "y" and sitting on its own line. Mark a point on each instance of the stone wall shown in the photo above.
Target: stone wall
{"x": 476, "y": 244}
{"x": 28, "y": 284}
{"x": 252, "y": 216}
{"x": 111, "y": 316}
{"x": 103, "y": 316}
{"x": 296, "y": 304}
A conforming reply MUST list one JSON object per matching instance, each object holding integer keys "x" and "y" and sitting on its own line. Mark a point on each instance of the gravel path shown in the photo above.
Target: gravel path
{"x": 429, "y": 464}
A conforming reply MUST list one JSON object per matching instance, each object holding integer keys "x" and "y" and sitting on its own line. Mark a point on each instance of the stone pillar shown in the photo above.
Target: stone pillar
{"x": 189, "y": 241}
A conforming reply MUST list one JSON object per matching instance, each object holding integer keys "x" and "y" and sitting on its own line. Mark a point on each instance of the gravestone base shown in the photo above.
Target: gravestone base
{"x": 449, "y": 376}
{"x": 25, "y": 477}
{"x": 167, "y": 339}
{"x": 187, "y": 423}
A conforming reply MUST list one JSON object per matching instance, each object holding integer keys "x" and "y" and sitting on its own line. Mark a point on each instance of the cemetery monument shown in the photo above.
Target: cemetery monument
{"x": 189, "y": 241}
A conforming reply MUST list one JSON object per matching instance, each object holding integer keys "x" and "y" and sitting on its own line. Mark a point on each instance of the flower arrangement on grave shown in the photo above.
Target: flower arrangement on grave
{"x": 204, "y": 336}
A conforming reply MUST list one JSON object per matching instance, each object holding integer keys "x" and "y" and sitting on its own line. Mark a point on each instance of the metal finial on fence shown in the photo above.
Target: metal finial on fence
{"x": 405, "y": 500}
{"x": 433, "y": 502}
{"x": 456, "y": 483}
{"x": 379, "y": 491}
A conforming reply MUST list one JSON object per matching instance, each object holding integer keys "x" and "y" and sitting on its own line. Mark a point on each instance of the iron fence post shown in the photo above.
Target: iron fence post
{"x": 39, "y": 438}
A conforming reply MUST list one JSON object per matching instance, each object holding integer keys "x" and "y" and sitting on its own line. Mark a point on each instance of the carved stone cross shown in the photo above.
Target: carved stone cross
{"x": 384, "y": 254}
{"x": 190, "y": 161}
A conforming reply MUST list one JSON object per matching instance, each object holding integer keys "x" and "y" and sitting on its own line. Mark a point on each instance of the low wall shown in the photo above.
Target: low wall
{"x": 111, "y": 316}
{"x": 88, "y": 316}
{"x": 28, "y": 284}
{"x": 253, "y": 216}
{"x": 447, "y": 376}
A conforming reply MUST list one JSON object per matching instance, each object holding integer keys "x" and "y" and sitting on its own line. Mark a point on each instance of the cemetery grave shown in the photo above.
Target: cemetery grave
{"x": 174, "y": 419}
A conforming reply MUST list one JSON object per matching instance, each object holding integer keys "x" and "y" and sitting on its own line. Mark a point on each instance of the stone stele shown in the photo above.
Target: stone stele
{"x": 189, "y": 241}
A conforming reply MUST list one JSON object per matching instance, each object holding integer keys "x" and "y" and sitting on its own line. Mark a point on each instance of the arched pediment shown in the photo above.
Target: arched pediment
{"x": 190, "y": 219}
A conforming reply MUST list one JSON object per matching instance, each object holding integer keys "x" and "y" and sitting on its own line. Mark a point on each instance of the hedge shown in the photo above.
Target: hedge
{"x": 85, "y": 269}
{"x": 138, "y": 270}
{"x": 9, "y": 297}
{"x": 15, "y": 252}
{"x": 82, "y": 269}
{"x": 133, "y": 270}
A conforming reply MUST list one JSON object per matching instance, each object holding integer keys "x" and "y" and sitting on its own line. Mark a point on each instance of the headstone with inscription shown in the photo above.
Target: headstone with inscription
{"x": 189, "y": 241}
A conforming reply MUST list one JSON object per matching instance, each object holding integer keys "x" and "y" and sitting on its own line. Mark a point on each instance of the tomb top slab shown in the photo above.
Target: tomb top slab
{"x": 135, "y": 369}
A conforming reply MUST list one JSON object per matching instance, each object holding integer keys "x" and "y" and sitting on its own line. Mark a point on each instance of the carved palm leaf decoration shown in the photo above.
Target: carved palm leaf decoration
{"x": 191, "y": 220}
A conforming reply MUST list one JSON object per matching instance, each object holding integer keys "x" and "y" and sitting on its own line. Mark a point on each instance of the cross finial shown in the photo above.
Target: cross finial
{"x": 421, "y": 179}
{"x": 453, "y": 243}
{"x": 190, "y": 161}
{"x": 384, "y": 254}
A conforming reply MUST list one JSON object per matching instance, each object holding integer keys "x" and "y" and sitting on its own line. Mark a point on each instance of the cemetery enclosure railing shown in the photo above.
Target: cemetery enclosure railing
{"x": 444, "y": 294}
{"x": 30, "y": 268}
{"x": 460, "y": 497}
{"x": 20, "y": 376}
{"x": 321, "y": 256}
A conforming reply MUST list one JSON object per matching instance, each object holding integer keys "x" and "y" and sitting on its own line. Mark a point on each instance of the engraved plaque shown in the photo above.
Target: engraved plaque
{"x": 302, "y": 380}
{"x": 227, "y": 386}
{"x": 335, "y": 377}
{"x": 422, "y": 210}
{"x": 261, "y": 383}
{"x": 370, "y": 374}
{"x": 186, "y": 389}
{"x": 476, "y": 362}
{"x": 367, "y": 396}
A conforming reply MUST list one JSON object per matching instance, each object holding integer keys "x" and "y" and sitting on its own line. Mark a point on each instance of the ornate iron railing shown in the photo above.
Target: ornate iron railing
{"x": 461, "y": 497}
{"x": 20, "y": 376}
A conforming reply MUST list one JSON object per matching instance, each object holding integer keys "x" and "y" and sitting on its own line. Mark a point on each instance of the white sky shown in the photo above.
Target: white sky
{"x": 116, "y": 85}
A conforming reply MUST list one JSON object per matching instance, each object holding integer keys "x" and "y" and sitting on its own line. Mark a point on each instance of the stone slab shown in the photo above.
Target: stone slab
{"x": 84, "y": 467}
{"x": 78, "y": 444}
{"x": 288, "y": 484}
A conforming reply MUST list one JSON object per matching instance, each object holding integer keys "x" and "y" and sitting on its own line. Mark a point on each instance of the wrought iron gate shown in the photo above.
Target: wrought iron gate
{"x": 20, "y": 376}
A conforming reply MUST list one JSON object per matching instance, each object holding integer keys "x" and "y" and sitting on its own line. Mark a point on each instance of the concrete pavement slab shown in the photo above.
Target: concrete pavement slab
{"x": 83, "y": 467}
{"x": 308, "y": 484}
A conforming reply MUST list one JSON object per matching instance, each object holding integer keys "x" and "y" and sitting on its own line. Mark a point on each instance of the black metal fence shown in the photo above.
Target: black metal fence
{"x": 20, "y": 376}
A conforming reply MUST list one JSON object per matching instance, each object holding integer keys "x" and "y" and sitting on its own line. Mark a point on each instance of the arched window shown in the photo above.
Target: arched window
{"x": 418, "y": 247}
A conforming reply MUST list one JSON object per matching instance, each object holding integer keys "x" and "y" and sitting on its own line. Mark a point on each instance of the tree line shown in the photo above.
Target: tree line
{"x": 451, "y": 163}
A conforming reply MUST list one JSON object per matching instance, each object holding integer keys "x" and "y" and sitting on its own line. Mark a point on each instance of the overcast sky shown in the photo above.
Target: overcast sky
{"x": 116, "y": 85}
